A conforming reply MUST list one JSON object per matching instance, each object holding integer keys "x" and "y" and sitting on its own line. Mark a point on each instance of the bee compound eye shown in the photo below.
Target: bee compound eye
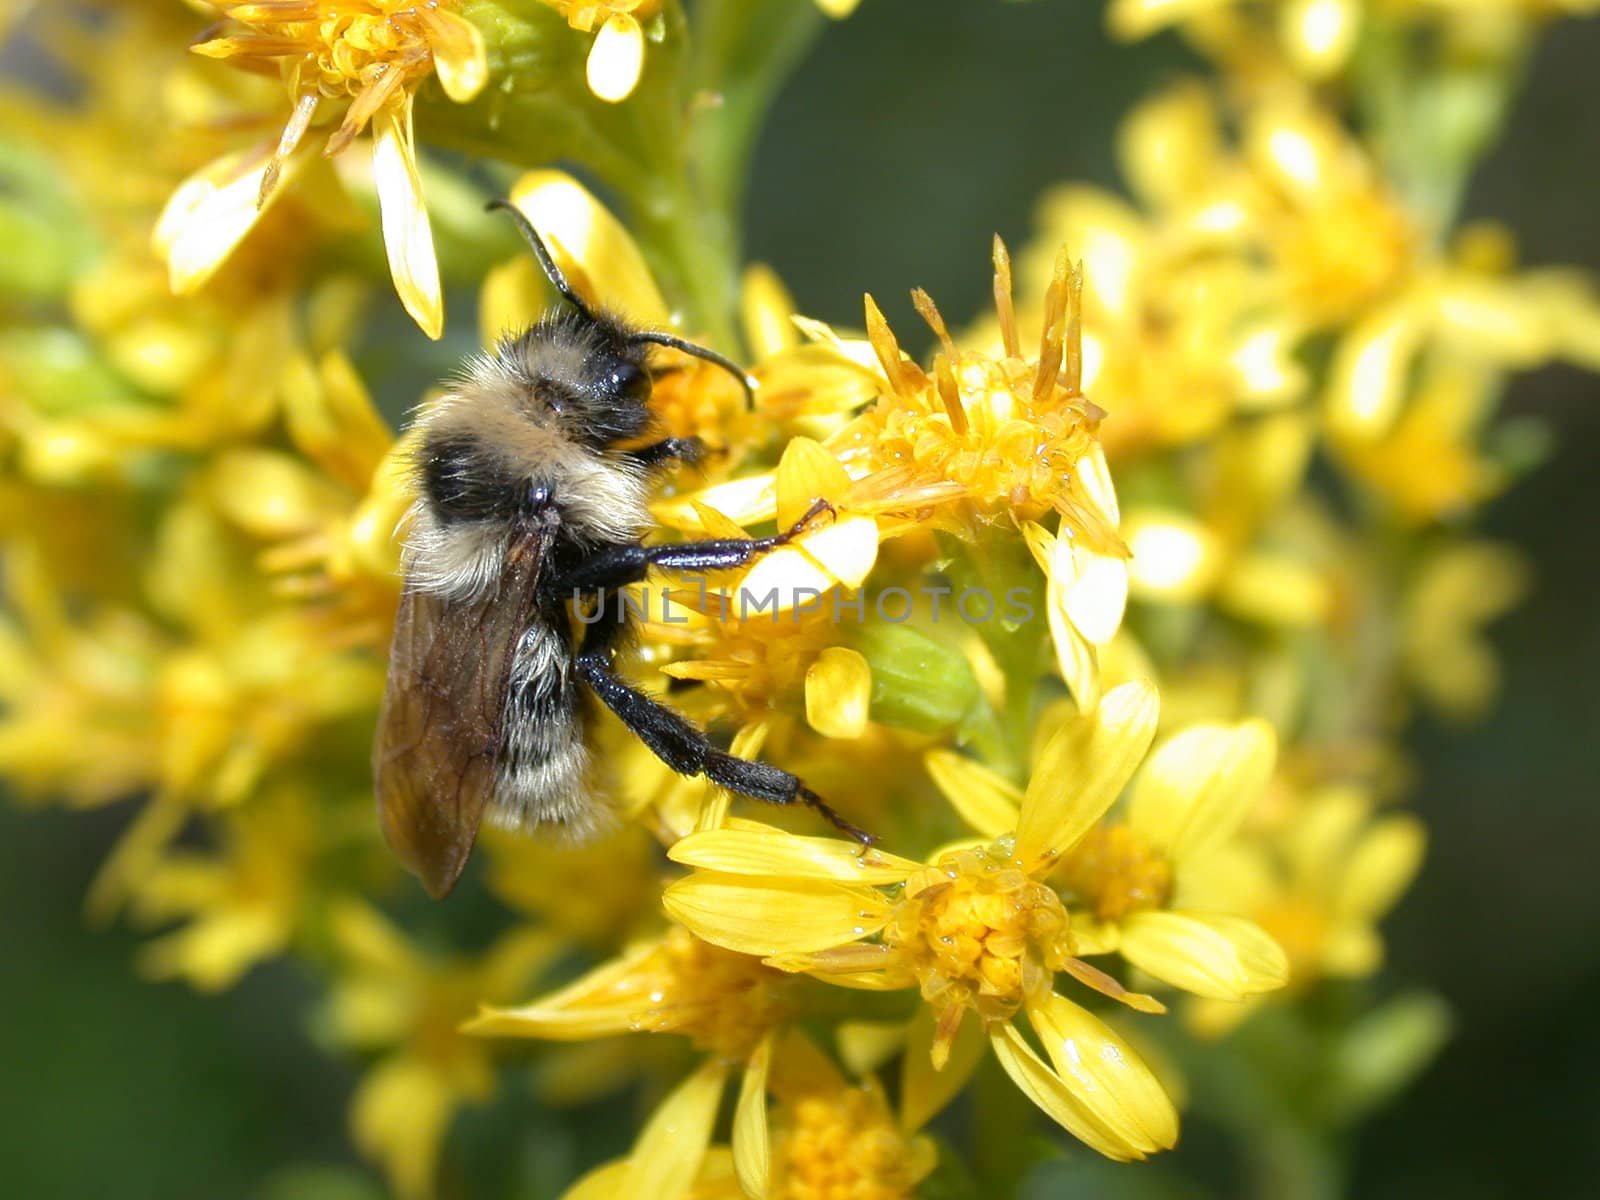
{"x": 630, "y": 382}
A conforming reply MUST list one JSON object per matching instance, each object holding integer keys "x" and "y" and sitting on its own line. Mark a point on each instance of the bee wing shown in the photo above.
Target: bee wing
{"x": 437, "y": 753}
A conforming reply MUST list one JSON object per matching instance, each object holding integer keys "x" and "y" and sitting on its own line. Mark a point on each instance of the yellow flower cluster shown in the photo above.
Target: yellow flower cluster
{"x": 1113, "y": 681}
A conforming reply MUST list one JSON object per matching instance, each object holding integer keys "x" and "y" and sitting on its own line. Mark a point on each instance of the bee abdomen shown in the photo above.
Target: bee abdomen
{"x": 546, "y": 770}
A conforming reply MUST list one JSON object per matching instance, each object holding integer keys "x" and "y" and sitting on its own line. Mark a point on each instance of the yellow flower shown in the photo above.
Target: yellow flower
{"x": 367, "y": 56}
{"x": 976, "y": 930}
{"x": 1414, "y": 383}
{"x": 392, "y": 1001}
{"x": 1175, "y": 341}
{"x": 1457, "y": 590}
{"x": 1318, "y": 37}
{"x": 1014, "y": 433}
{"x": 1126, "y": 880}
{"x": 727, "y": 1004}
{"x": 828, "y": 1136}
{"x": 79, "y": 719}
{"x": 831, "y": 1136}
{"x": 1320, "y": 878}
{"x": 242, "y": 906}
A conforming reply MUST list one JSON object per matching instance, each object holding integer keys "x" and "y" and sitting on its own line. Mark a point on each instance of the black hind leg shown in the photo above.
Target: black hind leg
{"x": 687, "y": 750}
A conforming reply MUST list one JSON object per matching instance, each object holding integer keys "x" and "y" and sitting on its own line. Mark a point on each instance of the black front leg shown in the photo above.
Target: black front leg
{"x": 619, "y": 566}
{"x": 685, "y": 450}
{"x": 687, "y": 750}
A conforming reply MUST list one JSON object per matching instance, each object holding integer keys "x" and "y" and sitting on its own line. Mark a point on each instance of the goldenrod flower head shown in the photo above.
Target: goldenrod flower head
{"x": 1318, "y": 38}
{"x": 1319, "y": 878}
{"x": 724, "y": 1003}
{"x": 241, "y": 906}
{"x": 976, "y": 930}
{"x": 368, "y": 55}
{"x": 1125, "y": 882}
{"x": 1116, "y": 873}
{"x": 1011, "y": 431}
{"x": 1412, "y": 384}
{"x": 834, "y": 1138}
{"x": 391, "y": 998}
{"x": 979, "y": 933}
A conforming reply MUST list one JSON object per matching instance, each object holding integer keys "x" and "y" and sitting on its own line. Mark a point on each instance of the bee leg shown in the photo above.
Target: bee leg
{"x": 687, "y": 750}
{"x": 622, "y": 565}
{"x": 673, "y": 449}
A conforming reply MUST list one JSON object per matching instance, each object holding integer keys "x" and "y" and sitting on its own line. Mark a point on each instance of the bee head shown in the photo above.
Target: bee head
{"x": 586, "y": 370}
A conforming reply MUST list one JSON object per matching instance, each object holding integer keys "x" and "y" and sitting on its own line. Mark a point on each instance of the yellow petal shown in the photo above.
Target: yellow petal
{"x": 1370, "y": 368}
{"x": 1200, "y": 784}
{"x": 788, "y": 581}
{"x": 581, "y": 1008}
{"x": 807, "y": 473}
{"x": 838, "y": 693}
{"x": 271, "y": 495}
{"x": 1095, "y": 594}
{"x": 1318, "y": 34}
{"x": 616, "y": 58}
{"x": 594, "y": 251}
{"x": 864, "y": 1046}
{"x": 1083, "y": 769}
{"x": 1168, "y": 145}
{"x": 332, "y": 419}
{"x": 1094, "y": 477}
{"x": 510, "y": 300}
{"x": 459, "y": 57}
{"x": 766, "y": 311}
{"x": 398, "y": 1116}
{"x": 752, "y": 1158}
{"x": 1380, "y": 868}
{"x": 210, "y": 214}
{"x": 846, "y": 549}
{"x": 1110, "y": 1076}
{"x": 1276, "y": 589}
{"x": 1075, "y": 656}
{"x": 669, "y": 1151}
{"x": 1132, "y": 19}
{"x": 1351, "y": 951}
{"x": 1209, "y": 954}
{"x": 603, "y": 1183}
{"x": 761, "y": 851}
{"x": 838, "y": 9}
{"x": 924, "y": 1090}
{"x": 1175, "y": 556}
{"x": 745, "y": 501}
{"x": 984, "y": 800}
{"x": 774, "y": 916}
{"x": 1059, "y": 1100}
{"x": 407, "y": 235}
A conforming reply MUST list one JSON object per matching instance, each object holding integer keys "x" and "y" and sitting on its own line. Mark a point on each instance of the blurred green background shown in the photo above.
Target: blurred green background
{"x": 915, "y": 131}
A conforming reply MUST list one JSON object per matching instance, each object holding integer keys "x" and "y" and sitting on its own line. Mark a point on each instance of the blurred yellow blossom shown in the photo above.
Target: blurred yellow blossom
{"x": 394, "y": 1002}
{"x": 1320, "y": 881}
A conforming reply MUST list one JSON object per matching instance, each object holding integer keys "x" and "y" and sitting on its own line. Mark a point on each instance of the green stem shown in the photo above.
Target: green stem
{"x": 688, "y": 207}
{"x": 744, "y": 50}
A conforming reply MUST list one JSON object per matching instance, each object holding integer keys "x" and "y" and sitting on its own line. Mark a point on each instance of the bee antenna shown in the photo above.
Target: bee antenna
{"x": 711, "y": 356}
{"x": 559, "y": 280}
{"x": 542, "y": 253}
